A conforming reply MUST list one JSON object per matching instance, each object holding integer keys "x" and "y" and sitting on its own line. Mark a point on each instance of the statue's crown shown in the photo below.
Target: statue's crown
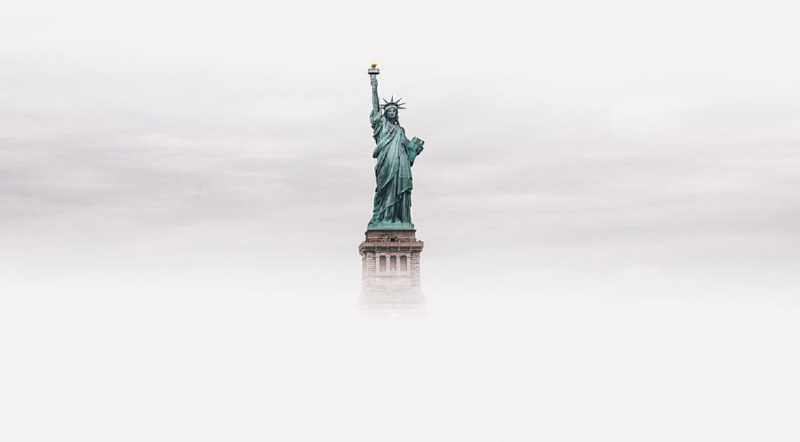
{"x": 398, "y": 104}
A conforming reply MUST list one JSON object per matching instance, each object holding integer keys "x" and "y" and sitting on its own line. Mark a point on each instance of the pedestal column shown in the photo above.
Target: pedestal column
{"x": 390, "y": 264}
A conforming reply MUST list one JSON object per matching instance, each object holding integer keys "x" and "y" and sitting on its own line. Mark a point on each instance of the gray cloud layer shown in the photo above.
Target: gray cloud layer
{"x": 593, "y": 144}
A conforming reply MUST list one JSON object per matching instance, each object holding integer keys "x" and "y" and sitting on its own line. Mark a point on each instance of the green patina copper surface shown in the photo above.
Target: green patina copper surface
{"x": 395, "y": 155}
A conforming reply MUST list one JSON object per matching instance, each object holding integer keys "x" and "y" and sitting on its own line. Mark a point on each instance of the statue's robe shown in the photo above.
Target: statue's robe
{"x": 395, "y": 155}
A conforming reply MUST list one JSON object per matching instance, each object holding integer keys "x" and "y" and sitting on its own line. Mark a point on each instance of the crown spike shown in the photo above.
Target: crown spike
{"x": 392, "y": 102}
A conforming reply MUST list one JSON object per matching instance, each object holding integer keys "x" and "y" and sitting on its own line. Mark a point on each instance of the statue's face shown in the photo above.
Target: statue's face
{"x": 391, "y": 112}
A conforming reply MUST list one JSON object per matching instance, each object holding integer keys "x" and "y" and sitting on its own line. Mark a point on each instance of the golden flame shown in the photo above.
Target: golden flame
{"x": 374, "y": 65}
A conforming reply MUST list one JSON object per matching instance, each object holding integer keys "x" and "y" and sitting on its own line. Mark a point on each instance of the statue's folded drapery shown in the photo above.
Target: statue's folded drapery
{"x": 395, "y": 154}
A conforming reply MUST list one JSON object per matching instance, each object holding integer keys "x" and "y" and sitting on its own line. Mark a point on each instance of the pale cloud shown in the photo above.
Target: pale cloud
{"x": 608, "y": 139}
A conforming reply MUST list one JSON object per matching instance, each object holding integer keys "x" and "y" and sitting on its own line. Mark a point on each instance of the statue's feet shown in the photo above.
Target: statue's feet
{"x": 390, "y": 225}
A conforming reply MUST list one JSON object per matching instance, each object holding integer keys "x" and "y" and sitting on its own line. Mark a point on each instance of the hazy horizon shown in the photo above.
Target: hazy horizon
{"x": 607, "y": 195}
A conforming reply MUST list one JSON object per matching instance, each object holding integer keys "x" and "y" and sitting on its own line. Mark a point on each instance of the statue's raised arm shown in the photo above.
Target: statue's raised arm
{"x": 373, "y": 81}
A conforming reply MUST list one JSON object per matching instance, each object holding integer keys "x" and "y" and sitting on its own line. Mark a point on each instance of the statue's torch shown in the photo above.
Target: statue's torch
{"x": 373, "y": 70}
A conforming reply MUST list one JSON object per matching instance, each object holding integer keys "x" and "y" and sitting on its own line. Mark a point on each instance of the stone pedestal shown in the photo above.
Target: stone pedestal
{"x": 390, "y": 269}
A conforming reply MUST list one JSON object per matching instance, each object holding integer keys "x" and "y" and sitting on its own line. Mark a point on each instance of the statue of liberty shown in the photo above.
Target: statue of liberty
{"x": 395, "y": 154}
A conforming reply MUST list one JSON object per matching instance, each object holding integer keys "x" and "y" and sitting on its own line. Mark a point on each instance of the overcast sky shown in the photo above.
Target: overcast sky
{"x": 608, "y": 199}
{"x": 581, "y": 137}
